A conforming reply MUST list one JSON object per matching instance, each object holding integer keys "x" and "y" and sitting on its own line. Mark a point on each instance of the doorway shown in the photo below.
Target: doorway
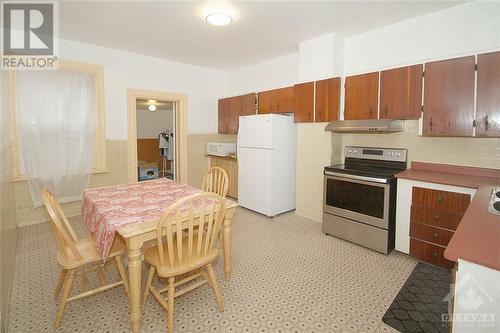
{"x": 155, "y": 139}
{"x": 156, "y": 135}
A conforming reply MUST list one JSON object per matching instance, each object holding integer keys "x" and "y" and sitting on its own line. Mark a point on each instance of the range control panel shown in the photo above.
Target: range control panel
{"x": 372, "y": 153}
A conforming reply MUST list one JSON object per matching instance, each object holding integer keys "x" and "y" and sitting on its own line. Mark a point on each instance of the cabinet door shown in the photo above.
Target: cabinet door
{"x": 361, "y": 96}
{"x": 233, "y": 179}
{"x": 248, "y": 104}
{"x": 327, "y": 100}
{"x": 266, "y": 99}
{"x": 401, "y": 93}
{"x": 488, "y": 95}
{"x": 449, "y": 97}
{"x": 223, "y": 116}
{"x": 276, "y": 101}
{"x": 234, "y": 114}
{"x": 303, "y": 102}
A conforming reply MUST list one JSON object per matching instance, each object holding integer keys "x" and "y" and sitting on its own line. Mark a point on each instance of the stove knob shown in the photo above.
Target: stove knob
{"x": 398, "y": 154}
{"x": 391, "y": 154}
{"x": 350, "y": 151}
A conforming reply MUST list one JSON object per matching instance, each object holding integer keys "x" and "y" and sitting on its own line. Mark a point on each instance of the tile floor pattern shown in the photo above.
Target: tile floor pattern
{"x": 288, "y": 277}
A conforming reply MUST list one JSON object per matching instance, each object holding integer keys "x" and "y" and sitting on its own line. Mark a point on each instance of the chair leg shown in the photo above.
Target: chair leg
{"x": 123, "y": 275}
{"x": 215, "y": 287}
{"x": 59, "y": 285}
{"x": 85, "y": 281}
{"x": 100, "y": 275}
{"x": 67, "y": 289}
{"x": 151, "y": 274}
{"x": 170, "y": 304}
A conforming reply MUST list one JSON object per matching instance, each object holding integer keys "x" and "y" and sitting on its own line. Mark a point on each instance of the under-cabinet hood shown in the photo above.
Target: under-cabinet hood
{"x": 364, "y": 126}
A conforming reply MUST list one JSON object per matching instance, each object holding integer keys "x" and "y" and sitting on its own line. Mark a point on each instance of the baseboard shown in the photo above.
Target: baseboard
{"x": 35, "y": 222}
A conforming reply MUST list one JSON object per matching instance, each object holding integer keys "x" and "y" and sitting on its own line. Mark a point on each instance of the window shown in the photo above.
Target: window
{"x": 99, "y": 145}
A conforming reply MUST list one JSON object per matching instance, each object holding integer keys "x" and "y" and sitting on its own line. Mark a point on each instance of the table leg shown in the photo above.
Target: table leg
{"x": 227, "y": 244}
{"x": 135, "y": 273}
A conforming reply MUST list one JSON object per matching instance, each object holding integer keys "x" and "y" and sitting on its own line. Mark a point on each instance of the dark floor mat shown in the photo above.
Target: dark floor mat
{"x": 419, "y": 304}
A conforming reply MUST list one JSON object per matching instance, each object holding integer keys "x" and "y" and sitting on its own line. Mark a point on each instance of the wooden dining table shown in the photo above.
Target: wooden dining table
{"x": 133, "y": 210}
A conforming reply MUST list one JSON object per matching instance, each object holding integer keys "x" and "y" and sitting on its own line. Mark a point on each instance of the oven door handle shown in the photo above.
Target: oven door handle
{"x": 346, "y": 175}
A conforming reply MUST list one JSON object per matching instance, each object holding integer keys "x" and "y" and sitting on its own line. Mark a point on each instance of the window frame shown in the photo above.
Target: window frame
{"x": 99, "y": 149}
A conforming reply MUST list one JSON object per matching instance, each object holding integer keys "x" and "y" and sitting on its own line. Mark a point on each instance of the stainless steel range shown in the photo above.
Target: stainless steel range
{"x": 359, "y": 200}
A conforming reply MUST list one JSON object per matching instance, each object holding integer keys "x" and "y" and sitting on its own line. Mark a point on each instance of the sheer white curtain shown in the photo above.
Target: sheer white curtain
{"x": 56, "y": 113}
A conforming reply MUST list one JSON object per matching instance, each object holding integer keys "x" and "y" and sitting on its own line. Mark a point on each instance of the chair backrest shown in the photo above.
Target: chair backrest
{"x": 216, "y": 181}
{"x": 201, "y": 212}
{"x": 66, "y": 238}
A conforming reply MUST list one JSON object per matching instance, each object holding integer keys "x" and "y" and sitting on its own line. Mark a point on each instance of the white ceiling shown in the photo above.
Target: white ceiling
{"x": 261, "y": 30}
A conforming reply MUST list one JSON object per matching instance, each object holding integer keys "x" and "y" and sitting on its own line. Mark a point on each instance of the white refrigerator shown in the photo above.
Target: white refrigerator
{"x": 266, "y": 163}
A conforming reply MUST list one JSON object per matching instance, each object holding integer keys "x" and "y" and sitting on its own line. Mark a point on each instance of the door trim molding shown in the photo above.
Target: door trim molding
{"x": 180, "y": 101}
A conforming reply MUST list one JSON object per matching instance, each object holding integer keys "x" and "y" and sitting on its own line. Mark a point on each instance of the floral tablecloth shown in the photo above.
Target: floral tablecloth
{"x": 107, "y": 209}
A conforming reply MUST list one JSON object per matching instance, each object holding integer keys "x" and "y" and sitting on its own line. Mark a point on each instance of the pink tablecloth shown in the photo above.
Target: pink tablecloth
{"x": 107, "y": 209}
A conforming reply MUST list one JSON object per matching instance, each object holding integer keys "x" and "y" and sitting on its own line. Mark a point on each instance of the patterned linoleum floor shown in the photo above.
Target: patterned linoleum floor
{"x": 288, "y": 277}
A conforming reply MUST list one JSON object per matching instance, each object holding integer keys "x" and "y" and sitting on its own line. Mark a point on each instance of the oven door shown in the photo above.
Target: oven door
{"x": 358, "y": 198}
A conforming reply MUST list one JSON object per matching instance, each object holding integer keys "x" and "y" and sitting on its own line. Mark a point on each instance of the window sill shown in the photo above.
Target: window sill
{"x": 23, "y": 178}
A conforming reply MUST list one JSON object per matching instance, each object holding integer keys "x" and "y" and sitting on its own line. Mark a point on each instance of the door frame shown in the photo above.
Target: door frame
{"x": 180, "y": 101}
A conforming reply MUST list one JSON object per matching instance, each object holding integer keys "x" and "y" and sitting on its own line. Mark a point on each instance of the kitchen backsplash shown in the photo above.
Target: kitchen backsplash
{"x": 478, "y": 152}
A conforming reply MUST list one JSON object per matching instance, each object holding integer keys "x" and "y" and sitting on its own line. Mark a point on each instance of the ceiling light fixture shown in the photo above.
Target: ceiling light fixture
{"x": 152, "y": 107}
{"x": 218, "y": 18}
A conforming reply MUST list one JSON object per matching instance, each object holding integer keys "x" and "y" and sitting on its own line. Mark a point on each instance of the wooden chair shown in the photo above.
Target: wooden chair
{"x": 73, "y": 254}
{"x": 186, "y": 254}
{"x": 216, "y": 181}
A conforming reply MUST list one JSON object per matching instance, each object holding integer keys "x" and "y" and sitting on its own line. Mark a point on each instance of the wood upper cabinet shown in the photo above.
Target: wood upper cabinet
{"x": 248, "y": 104}
{"x": 230, "y": 110}
{"x": 303, "y": 102}
{"x": 449, "y": 97}
{"x": 276, "y": 101}
{"x": 223, "y": 116}
{"x": 361, "y": 96}
{"x": 235, "y": 107}
{"x": 401, "y": 93}
{"x": 488, "y": 95}
{"x": 327, "y": 100}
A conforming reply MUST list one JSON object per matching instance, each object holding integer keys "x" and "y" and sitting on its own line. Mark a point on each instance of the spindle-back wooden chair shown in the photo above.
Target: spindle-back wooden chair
{"x": 73, "y": 254}
{"x": 216, "y": 181}
{"x": 190, "y": 227}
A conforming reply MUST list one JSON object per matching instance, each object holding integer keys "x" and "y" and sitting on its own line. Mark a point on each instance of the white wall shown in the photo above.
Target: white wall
{"x": 124, "y": 70}
{"x": 150, "y": 124}
{"x": 465, "y": 29}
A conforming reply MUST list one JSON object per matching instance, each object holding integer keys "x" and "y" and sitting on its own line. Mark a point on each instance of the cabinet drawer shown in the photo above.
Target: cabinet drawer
{"x": 429, "y": 253}
{"x": 430, "y": 234}
{"x": 435, "y": 217}
{"x": 446, "y": 201}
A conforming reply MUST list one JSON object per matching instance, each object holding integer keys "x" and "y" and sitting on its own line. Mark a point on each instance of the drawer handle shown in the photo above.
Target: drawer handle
{"x": 436, "y": 235}
{"x": 439, "y": 198}
{"x": 435, "y": 254}
{"x": 436, "y": 217}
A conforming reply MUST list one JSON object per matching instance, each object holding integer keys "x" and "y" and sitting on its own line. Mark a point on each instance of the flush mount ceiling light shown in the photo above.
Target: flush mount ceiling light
{"x": 152, "y": 107}
{"x": 218, "y": 18}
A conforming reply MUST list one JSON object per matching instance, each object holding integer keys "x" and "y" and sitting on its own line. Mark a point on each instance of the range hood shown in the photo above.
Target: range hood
{"x": 365, "y": 126}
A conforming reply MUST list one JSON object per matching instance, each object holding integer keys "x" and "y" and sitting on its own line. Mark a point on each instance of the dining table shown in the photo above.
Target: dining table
{"x": 132, "y": 211}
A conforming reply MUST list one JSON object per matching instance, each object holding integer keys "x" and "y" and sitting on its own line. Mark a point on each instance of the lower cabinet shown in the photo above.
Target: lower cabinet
{"x": 427, "y": 216}
{"x": 230, "y": 165}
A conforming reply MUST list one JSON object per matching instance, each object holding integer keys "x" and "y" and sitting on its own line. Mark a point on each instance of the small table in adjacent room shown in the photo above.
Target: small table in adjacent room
{"x": 133, "y": 210}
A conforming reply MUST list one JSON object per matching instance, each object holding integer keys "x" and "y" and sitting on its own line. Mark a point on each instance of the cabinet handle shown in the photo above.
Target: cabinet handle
{"x": 440, "y": 199}
{"x": 435, "y": 254}
{"x": 436, "y": 217}
{"x": 430, "y": 123}
{"x": 386, "y": 111}
{"x": 370, "y": 112}
{"x": 435, "y": 235}
{"x": 486, "y": 122}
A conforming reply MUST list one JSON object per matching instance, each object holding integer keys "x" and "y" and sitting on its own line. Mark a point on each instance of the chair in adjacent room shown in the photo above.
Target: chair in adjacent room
{"x": 216, "y": 181}
{"x": 76, "y": 255}
{"x": 185, "y": 250}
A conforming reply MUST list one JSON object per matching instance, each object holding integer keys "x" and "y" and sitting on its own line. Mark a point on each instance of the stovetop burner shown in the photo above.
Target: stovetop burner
{"x": 371, "y": 162}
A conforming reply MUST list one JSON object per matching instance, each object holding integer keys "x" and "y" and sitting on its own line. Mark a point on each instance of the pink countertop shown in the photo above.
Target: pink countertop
{"x": 477, "y": 238}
